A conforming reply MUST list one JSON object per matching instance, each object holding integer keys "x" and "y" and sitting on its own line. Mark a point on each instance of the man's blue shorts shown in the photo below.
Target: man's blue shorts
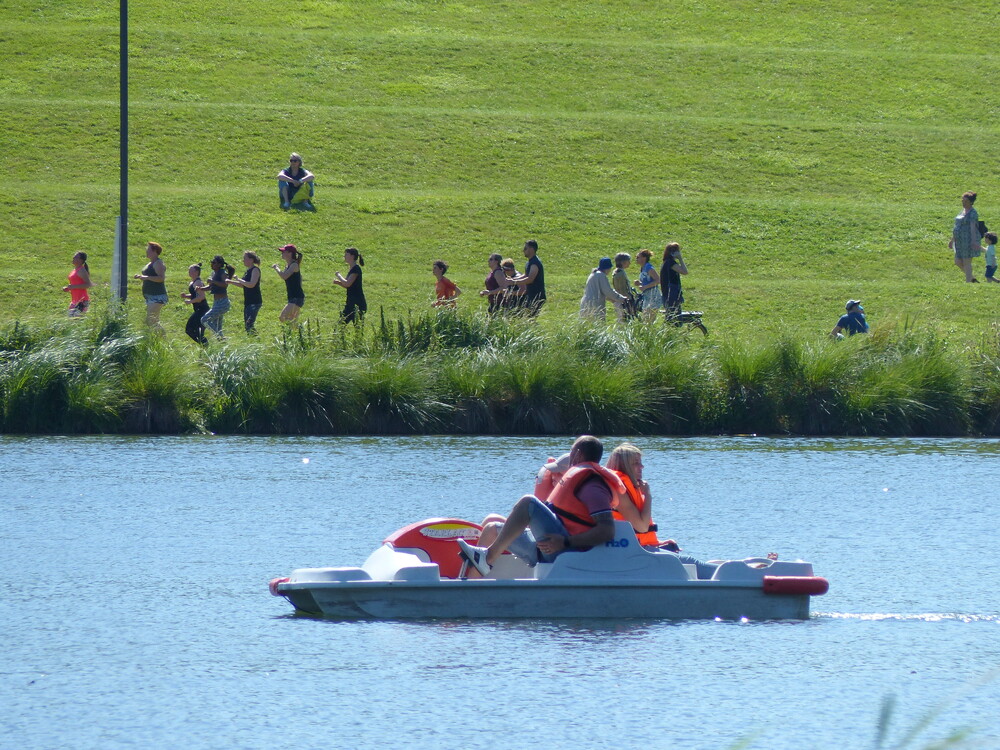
{"x": 542, "y": 522}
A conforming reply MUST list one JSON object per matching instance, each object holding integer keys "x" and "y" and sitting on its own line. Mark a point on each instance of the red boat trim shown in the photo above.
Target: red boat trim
{"x": 796, "y": 585}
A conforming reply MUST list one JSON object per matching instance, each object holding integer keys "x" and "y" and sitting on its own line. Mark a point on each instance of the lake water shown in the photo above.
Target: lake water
{"x": 135, "y": 609}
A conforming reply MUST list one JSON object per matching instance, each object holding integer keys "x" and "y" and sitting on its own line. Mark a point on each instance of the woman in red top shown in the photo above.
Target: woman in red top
{"x": 496, "y": 283}
{"x": 79, "y": 283}
{"x": 446, "y": 290}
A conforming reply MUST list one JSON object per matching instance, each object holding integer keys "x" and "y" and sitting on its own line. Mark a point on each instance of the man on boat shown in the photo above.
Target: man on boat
{"x": 577, "y": 515}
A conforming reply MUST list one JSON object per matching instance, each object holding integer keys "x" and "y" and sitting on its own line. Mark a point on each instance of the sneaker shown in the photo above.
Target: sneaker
{"x": 286, "y": 205}
{"x": 474, "y": 556}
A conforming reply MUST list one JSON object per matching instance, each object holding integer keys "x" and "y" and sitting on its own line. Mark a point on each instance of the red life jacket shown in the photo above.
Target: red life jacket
{"x": 565, "y": 504}
{"x": 646, "y": 538}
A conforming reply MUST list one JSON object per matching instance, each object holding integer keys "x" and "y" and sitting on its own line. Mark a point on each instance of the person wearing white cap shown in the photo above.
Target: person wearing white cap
{"x": 853, "y": 321}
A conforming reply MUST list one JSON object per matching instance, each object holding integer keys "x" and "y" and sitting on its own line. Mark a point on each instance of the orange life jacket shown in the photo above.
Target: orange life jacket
{"x": 545, "y": 482}
{"x": 646, "y": 538}
{"x": 565, "y": 504}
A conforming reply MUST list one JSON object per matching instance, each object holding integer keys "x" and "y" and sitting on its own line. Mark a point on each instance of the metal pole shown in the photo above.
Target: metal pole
{"x": 123, "y": 156}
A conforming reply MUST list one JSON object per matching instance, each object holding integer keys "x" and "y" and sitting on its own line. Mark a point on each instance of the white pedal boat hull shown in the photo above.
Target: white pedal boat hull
{"x": 619, "y": 580}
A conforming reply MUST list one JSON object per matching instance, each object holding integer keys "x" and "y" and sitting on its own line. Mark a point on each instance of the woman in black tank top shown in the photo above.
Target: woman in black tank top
{"x": 154, "y": 290}
{"x": 199, "y": 305}
{"x": 252, "y": 301}
{"x": 293, "y": 282}
{"x": 357, "y": 305}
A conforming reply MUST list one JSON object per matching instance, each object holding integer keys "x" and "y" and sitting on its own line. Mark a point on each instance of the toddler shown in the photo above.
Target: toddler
{"x": 991, "y": 256}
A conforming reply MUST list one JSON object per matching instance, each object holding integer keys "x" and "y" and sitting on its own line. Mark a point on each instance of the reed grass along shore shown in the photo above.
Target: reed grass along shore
{"x": 445, "y": 372}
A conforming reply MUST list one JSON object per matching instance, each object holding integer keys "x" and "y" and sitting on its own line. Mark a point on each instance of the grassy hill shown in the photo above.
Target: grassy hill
{"x": 801, "y": 152}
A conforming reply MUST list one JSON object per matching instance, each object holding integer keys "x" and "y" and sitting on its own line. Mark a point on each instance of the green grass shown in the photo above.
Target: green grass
{"x": 801, "y": 153}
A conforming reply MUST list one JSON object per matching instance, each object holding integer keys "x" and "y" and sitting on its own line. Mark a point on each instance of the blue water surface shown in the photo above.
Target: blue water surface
{"x": 135, "y": 611}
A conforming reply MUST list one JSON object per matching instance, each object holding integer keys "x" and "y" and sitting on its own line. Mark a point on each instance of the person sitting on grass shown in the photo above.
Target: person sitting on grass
{"x": 577, "y": 515}
{"x": 853, "y": 321}
{"x": 290, "y": 181}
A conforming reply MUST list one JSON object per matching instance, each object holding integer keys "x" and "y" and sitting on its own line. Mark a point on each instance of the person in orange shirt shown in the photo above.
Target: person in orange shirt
{"x": 446, "y": 289}
{"x": 79, "y": 283}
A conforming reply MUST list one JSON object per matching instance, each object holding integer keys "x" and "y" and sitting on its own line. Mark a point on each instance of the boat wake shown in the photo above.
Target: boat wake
{"x": 908, "y": 617}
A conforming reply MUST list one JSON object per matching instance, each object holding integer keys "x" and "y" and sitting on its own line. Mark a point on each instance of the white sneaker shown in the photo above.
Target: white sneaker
{"x": 474, "y": 555}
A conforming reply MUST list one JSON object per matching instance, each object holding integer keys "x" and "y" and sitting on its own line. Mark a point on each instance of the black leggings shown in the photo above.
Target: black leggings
{"x": 194, "y": 328}
{"x": 250, "y": 317}
{"x": 353, "y": 311}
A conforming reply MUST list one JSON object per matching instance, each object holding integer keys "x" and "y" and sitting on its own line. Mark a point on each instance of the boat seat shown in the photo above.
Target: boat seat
{"x": 621, "y": 558}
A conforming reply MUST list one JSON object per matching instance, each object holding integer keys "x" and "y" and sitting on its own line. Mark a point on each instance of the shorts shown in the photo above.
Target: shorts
{"x": 543, "y": 521}
{"x": 156, "y": 299}
{"x": 297, "y": 301}
{"x": 79, "y": 308}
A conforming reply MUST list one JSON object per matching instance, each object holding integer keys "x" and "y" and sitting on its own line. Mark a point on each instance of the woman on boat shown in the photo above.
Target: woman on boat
{"x": 199, "y": 305}
{"x": 357, "y": 305}
{"x": 218, "y": 287}
{"x": 79, "y": 283}
{"x": 154, "y": 288}
{"x": 635, "y": 506}
{"x": 250, "y": 282}
{"x": 648, "y": 285}
{"x": 293, "y": 282}
{"x": 496, "y": 284}
{"x": 446, "y": 290}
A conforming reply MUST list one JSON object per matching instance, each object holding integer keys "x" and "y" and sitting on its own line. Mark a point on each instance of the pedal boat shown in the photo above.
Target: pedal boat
{"x": 416, "y": 574}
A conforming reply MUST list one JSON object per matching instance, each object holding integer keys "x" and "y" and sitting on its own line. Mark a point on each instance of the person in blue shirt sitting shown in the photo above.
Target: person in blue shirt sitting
{"x": 853, "y": 321}
{"x": 290, "y": 180}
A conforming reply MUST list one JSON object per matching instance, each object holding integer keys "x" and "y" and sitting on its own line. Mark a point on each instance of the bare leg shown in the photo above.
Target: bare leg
{"x": 290, "y": 313}
{"x": 516, "y": 522}
{"x": 967, "y": 267}
{"x": 153, "y": 318}
{"x": 489, "y": 534}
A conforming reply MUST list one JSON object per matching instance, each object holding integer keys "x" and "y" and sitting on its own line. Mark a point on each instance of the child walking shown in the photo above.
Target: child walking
{"x": 991, "y": 256}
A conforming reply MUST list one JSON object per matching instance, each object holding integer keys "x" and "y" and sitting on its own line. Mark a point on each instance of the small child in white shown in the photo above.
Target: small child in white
{"x": 991, "y": 256}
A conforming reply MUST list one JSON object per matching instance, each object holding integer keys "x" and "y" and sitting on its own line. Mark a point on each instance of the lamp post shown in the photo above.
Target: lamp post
{"x": 120, "y": 268}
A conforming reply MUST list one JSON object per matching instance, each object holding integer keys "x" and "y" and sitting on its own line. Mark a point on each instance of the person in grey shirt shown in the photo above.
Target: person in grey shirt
{"x": 598, "y": 292}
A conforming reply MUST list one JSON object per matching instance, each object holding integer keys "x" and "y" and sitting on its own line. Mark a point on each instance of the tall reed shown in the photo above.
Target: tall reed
{"x": 445, "y": 372}
{"x": 291, "y": 392}
{"x": 164, "y": 389}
